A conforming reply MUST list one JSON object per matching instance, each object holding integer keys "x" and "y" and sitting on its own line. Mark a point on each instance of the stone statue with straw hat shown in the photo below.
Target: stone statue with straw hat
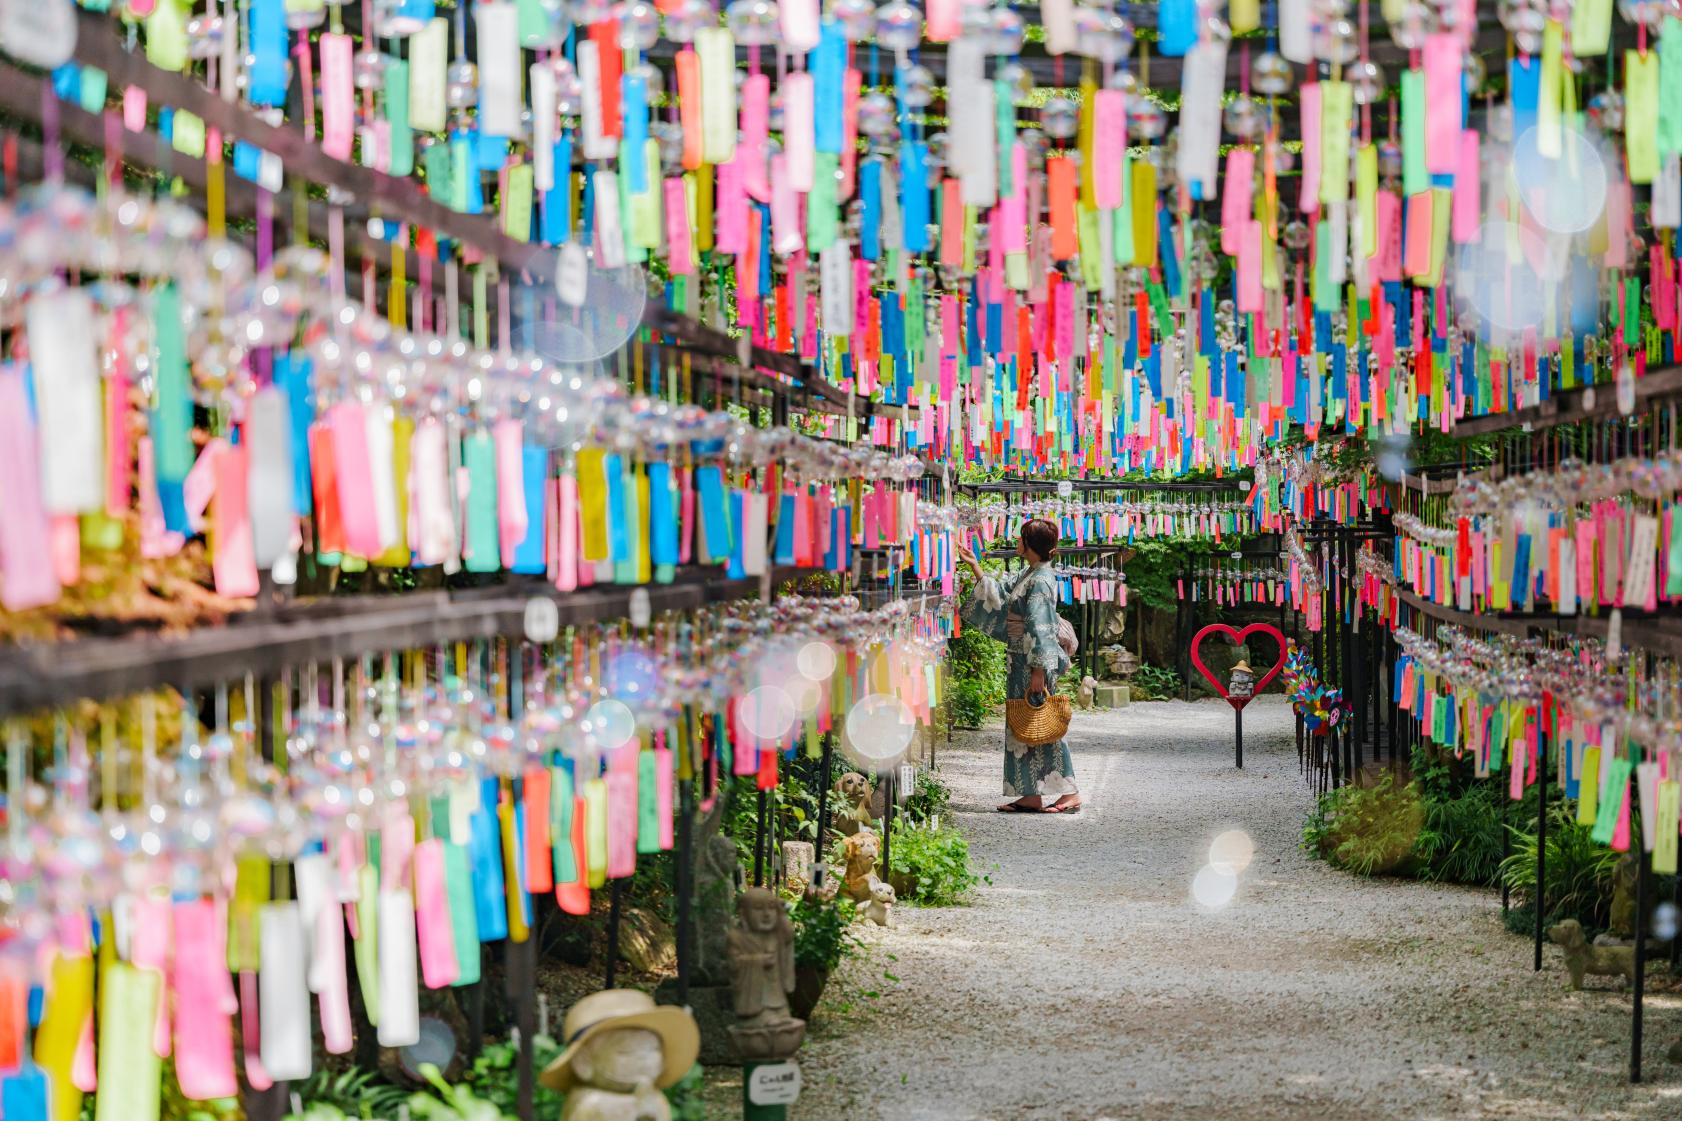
{"x": 621, "y": 1050}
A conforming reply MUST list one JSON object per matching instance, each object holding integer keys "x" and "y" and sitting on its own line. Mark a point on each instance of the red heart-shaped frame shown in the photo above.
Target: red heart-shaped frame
{"x": 1237, "y": 638}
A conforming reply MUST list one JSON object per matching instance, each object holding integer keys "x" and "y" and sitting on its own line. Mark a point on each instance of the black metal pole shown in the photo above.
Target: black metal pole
{"x": 522, "y": 979}
{"x": 759, "y": 843}
{"x": 1506, "y": 846}
{"x": 685, "y": 883}
{"x": 1238, "y": 735}
{"x": 1540, "y": 896}
{"x": 820, "y": 870}
{"x": 614, "y": 898}
{"x": 888, "y": 787}
{"x": 1640, "y": 958}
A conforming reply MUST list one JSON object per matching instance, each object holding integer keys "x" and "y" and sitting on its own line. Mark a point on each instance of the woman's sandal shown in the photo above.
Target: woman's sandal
{"x": 1062, "y": 808}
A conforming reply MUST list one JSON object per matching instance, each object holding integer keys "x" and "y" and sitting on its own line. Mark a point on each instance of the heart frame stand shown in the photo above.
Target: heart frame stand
{"x": 1236, "y": 636}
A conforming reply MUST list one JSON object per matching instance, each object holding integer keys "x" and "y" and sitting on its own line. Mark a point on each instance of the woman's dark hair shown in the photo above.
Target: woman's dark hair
{"x": 1041, "y": 537}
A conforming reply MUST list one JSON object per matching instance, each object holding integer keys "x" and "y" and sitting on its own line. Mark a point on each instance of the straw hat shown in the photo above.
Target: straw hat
{"x": 611, "y": 1009}
{"x": 1242, "y": 666}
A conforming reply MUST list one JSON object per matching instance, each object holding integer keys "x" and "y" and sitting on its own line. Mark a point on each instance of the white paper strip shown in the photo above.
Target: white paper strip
{"x": 429, "y": 51}
{"x": 755, "y": 526}
{"x": 610, "y": 233}
{"x": 1296, "y": 24}
{"x": 980, "y": 176}
{"x": 543, "y": 96}
{"x": 1059, "y": 19}
{"x": 382, "y": 474}
{"x": 497, "y": 24}
{"x": 717, "y": 48}
{"x": 399, "y": 979}
{"x": 69, "y": 404}
{"x": 835, "y": 280}
{"x": 268, "y": 483}
{"x": 285, "y": 1047}
{"x": 1202, "y": 85}
{"x": 597, "y": 146}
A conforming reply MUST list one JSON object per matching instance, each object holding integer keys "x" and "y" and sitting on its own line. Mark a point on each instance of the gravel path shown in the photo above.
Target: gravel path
{"x": 1085, "y": 983}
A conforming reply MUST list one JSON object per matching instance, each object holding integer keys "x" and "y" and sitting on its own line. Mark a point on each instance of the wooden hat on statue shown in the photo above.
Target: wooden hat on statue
{"x": 613, "y": 1009}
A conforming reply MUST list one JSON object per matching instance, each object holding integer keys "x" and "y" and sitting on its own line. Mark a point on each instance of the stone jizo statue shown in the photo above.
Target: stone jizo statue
{"x": 762, "y": 975}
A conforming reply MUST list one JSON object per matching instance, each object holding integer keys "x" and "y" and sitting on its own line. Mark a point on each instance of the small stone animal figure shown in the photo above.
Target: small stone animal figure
{"x": 863, "y": 850}
{"x": 1088, "y": 691}
{"x": 1595, "y": 961}
{"x": 880, "y": 909}
{"x": 854, "y": 788}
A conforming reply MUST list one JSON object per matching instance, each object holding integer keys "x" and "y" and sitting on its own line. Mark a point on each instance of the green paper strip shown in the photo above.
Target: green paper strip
{"x": 1641, "y": 115}
{"x": 464, "y": 916}
{"x": 561, "y": 802}
{"x": 821, "y": 222}
{"x": 1414, "y": 176}
{"x": 129, "y": 1084}
{"x": 397, "y": 117}
{"x": 484, "y": 547}
{"x": 648, "y": 803}
{"x": 516, "y": 203}
{"x": 1611, "y": 801}
{"x": 367, "y": 945}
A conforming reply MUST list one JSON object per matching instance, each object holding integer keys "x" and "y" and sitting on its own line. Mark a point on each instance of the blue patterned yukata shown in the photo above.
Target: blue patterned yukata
{"x": 1029, "y": 594}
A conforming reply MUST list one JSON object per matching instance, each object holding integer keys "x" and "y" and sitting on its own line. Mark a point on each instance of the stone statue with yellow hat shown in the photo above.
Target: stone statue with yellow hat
{"x": 621, "y": 1051}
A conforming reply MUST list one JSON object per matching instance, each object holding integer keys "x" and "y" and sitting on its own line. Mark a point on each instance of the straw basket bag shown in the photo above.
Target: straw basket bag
{"x": 1034, "y": 725}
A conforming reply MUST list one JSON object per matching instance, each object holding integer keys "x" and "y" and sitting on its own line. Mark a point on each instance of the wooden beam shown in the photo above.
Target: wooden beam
{"x": 1568, "y": 406}
{"x": 43, "y": 675}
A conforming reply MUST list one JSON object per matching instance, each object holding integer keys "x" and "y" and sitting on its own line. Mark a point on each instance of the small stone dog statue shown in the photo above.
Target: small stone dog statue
{"x": 880, "y": 909}
{"x": 1597, "y": 961}
{"x": 1088, "y": 691}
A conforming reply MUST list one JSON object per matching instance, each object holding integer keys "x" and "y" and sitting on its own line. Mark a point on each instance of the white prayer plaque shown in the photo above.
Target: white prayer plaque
{"x": 40, "y": 33}
{"x": 774, "y": 1084}
{"x": 572, "y": 274}
{"x": 542, "y": 620}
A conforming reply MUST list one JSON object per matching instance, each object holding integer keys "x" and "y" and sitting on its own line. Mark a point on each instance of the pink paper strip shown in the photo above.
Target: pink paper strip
{"x": 1443, "y": 52}
{"x": 1109, "y": 136}
{"x": 26, "y": 570}
{"x": 434, "y": 930}
{"x": 234, "y": 564}
{"x": 204, "y": 1003}
{"x": 1466, "y": 189}
{"x": 1235, "y": 206}
{"x": 338, "y": 97}
{"x": 355, "y": 473}
{"x": 1309, "y": 200}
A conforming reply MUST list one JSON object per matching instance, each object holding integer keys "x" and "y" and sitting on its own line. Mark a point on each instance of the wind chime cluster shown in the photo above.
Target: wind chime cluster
{"x": 1612, "y": 724}
{"x": 1063, "y": 276}
{"x": 420, "y": 801}
{"x": 184, "y": 394}
{"x": 1571, "y": 539}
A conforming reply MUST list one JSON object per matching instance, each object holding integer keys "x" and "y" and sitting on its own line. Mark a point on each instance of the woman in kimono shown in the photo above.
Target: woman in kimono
{"x": 1020, "y": 609}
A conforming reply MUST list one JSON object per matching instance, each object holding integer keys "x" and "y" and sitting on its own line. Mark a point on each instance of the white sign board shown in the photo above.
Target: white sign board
{"x": 774, "y": 1084}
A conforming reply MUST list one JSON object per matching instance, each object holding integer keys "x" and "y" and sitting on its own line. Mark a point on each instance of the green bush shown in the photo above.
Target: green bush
{"x": 1461, "y": 840}
{"x": 823, "y": 932}
{"x": 1368, "y": 830}
{"x": 928, "y": 801}
{"x": 976, "y": 663}
{"x": 930, "y": 865}
{"x": 1155, "y": 683}
{"x": 1580, "y": 873}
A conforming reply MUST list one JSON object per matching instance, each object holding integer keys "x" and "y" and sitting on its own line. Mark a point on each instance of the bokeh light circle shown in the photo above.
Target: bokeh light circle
{"x": 611, "y": 722}
{"x": 877, "y": 732}
{"x": 1566, "y": 193}
{"x": 1232, "y": 851}
{"x": 1213, "y": 887}
{"x": 767, "y": 713}
{"x": 816, "y": 661}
